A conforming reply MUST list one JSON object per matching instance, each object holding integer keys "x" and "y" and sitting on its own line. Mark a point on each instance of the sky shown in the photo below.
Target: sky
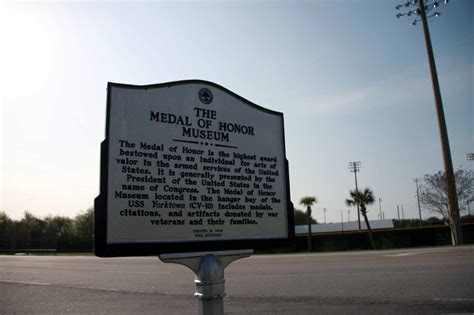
{"x": 351, "y": 79}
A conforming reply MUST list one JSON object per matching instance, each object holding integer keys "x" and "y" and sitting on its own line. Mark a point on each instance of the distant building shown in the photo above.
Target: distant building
{"x": 343, "y": 227}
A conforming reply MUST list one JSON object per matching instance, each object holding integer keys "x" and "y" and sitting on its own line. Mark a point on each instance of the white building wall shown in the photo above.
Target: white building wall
{"x": 344, "y": 226}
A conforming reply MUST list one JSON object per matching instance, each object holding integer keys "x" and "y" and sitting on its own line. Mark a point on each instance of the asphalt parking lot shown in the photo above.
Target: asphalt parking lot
{"x": 429, "y": 280}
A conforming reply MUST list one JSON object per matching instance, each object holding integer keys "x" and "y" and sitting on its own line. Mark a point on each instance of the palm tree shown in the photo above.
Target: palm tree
{"x": 363, "y": 199}
{"x": 308, "y": 201}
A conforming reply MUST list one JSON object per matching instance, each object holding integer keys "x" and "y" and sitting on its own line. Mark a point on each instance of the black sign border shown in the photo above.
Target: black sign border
{"x": 104, "y": 249}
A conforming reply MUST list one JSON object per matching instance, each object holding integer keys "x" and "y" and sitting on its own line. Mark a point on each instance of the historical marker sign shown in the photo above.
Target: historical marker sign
{"x": 190, "y": 166}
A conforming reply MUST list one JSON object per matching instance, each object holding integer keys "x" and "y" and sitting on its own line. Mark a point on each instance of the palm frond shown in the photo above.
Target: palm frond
{"x": 308, "y": 200}
{"x": 362, "y": 198}
{"x": 350, "y": 202}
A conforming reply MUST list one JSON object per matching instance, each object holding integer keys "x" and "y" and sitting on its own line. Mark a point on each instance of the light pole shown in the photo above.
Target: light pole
{"x": 324, "y": 215}
{"x": 418, "y": 196}
{"x": 310, "y": 233}
{"x": 354, "y": 167}
{"x": 380, "y": 208}
{"x": 342, "y": 222}
{"x": 418, "y": 9}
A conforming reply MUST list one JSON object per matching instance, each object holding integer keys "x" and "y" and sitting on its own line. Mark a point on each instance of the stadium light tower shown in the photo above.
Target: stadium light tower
{"x": 421, "y": 11}
{"x": 354, "y": 167}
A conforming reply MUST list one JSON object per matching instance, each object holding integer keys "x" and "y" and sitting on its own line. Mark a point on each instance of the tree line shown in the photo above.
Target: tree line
{"x": 52, "y": 232}
{"x": 64, "y": 233}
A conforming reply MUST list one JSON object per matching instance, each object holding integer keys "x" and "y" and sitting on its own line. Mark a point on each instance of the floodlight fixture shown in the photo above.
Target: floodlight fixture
{"x": 354, "y": 166}
{"x": 414, "y": 9}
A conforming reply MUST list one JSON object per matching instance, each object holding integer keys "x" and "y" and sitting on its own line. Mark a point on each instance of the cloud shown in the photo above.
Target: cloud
{"x": 404, "y": 88}
{"x": 397, "y": 89}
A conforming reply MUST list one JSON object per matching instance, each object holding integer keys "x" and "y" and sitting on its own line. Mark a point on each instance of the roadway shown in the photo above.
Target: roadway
{"x": 413, "y": 281}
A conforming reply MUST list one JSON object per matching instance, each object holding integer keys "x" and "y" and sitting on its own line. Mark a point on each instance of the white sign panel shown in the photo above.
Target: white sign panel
{"x": 193, "y": 162}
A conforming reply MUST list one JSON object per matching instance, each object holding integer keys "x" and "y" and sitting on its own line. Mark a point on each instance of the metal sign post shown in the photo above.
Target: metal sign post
{"x": 209, "y": 270}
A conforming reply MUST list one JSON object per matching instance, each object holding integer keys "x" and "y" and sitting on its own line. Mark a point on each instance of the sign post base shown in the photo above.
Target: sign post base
{"x": 209, "y": 270}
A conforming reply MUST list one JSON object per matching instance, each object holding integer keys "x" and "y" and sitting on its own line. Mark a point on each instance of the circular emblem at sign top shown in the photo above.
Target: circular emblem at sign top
{"x": 205, "y": 96}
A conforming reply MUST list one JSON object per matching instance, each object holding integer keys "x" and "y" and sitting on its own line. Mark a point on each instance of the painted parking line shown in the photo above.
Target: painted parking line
{"x": 402, "y": 254}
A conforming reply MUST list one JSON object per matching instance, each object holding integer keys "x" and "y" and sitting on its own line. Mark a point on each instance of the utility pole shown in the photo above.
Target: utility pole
{"x": 418, "y": 196}
{"x": 342, "y": 222}
{"x": 398, "y": 212}
{"x": 354, "y": 167}
{"x": 380, "y": 208}
{"x": 403, "y": 214}
{"x": 348, "y": 215}
{"x": 421, "y": 11}
{"x": 470, "y": 157}
{"x": 324, "y": 215}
